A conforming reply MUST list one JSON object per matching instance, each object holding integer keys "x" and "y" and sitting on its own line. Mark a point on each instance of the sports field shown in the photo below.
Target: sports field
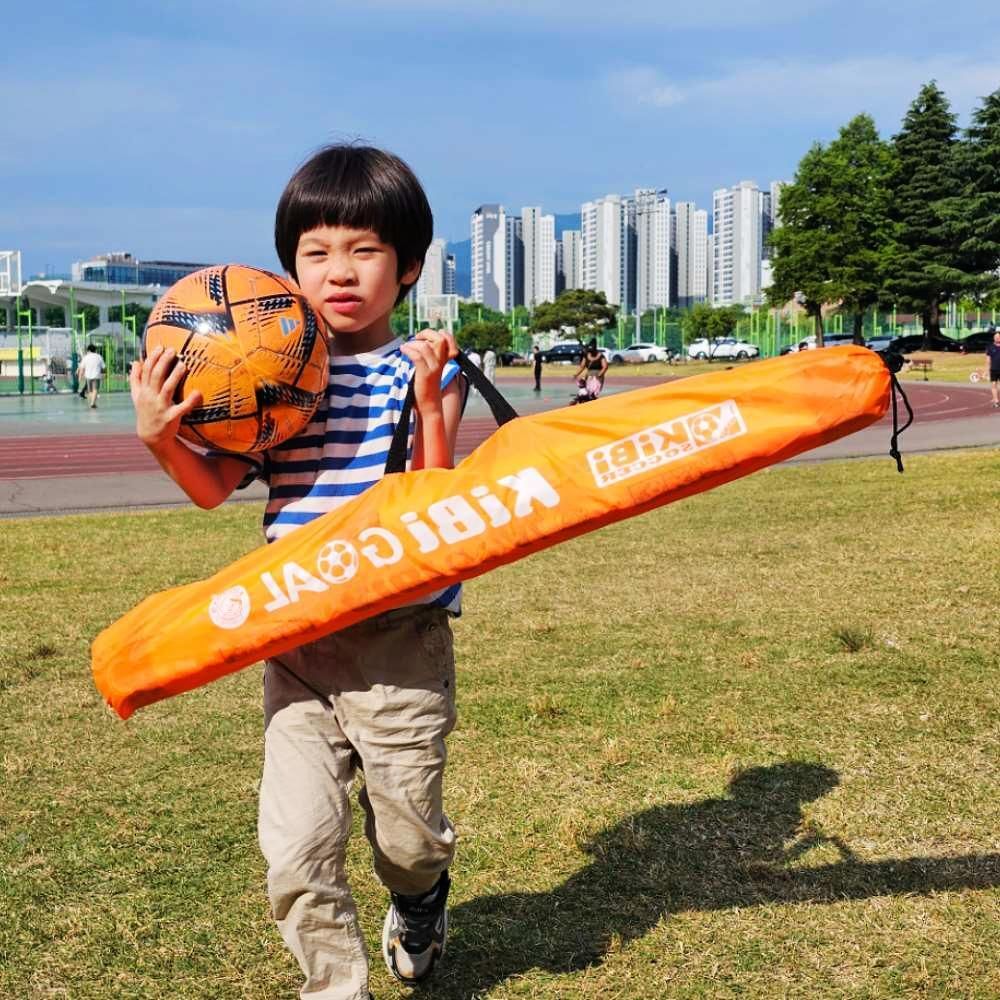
{"x": 744, "y": 746}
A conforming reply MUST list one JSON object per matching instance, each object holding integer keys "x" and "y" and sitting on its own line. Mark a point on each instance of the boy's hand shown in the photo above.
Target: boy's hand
{"x": 152, "y": 383}
{"x": 429, "y": 351}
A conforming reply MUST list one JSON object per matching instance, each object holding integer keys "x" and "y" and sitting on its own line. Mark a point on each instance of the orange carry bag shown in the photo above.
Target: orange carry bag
{"x": 536, "y": 481}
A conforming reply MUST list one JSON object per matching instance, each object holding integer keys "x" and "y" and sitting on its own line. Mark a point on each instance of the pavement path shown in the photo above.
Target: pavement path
{"x": 58, "y": 458}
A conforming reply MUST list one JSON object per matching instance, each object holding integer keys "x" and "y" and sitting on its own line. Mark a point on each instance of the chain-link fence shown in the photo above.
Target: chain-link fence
{"x": 46, "y": 359}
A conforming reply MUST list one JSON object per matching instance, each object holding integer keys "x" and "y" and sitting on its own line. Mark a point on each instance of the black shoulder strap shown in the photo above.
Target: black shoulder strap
{"x": 502, "y": 411}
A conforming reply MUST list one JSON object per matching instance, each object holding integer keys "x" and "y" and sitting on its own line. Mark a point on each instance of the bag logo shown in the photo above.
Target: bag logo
{"x": 337, "y": 561}
{"x": 231, "y": 608}
{"x": 667, "y": 442}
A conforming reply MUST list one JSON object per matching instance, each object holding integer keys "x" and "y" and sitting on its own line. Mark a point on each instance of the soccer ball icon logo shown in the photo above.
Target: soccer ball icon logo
{"x": 337, "y": 561}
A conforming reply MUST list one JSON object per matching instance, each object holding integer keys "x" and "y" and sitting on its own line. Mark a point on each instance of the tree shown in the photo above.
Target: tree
{"x": 978, "y": 206}
{"x": 478, "y": 336}
{"x": 584, "y": 311}
{"x": 477, "y": 312}
{"x": 701, "y": 321}
{"x": 927, "y": 264}
{"x": 861, "y": 232}
{"x": 802, "y": 261}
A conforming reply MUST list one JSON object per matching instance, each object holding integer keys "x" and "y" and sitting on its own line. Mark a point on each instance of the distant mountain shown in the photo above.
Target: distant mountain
{"x": 462, "y": 249}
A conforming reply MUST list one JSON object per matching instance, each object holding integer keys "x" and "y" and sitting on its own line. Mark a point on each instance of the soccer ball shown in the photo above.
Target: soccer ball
{"x": 337, "y": 561}
{"x": 254, "y": 348}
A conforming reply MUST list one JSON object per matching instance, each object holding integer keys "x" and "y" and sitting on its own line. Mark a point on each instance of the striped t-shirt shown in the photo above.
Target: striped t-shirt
{"x": 343, "y": 449}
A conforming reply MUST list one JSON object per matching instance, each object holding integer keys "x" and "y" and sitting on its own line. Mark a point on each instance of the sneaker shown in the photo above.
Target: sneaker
{"x": 414, "y": 932}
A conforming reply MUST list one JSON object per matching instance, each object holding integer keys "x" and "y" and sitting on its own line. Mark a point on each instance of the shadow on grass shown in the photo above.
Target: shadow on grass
{"x": 714, "y": 854}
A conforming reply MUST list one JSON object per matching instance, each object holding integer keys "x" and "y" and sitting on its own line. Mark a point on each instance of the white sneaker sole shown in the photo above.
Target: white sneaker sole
{"x": 387, "y": 958}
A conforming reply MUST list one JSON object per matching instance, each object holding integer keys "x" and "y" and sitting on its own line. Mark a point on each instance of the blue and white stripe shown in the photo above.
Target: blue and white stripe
{"x": 343, "y": 450}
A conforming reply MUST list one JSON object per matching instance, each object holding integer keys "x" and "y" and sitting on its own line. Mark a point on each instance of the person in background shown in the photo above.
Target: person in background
{"x": 594, "y": 363}
{"x": 991, "y": 368}
{"x": 490, "y": 364}
{"x": 536, "y": 360}
{"x": 89, "y": 373}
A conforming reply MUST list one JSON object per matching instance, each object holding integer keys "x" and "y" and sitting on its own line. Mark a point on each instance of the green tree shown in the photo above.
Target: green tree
{"x": 141, "y": 314}
{"x": 978, "y": 206}
{"x": 702, "y": 321}
{"x": 927, "y": 264}
{"x": 803, "y": 262}
{"x": 861, "y": 164}
{"x": 585, "y": 312}
{"x": 54, "y": 316}
{"x": 477, "y": 336}
{"x": 477, "y": 312}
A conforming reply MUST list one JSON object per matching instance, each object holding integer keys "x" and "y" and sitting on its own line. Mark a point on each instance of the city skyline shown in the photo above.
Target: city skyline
{"x": 148, "y": 131}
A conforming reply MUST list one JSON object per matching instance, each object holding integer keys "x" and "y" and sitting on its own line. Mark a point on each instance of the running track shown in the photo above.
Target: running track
{"x": 48, "y": 456}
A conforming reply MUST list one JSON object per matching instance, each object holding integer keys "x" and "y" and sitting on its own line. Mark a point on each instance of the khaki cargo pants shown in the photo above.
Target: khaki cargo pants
{"x": 379, "y": 695}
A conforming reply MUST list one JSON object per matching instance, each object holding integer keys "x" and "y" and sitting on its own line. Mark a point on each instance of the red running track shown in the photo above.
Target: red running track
{"x": 47, "y": 456}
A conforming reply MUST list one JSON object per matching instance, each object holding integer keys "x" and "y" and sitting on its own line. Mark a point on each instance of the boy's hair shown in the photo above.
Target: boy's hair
{"x": 90, "y": 347}
{"x": 360, "y": 187}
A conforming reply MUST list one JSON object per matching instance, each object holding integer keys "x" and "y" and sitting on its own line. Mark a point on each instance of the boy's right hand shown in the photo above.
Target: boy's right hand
{"x": 152, "y": 383}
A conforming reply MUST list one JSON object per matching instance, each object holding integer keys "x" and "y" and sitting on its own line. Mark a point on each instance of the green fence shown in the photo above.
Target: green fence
{"x": 34, "y": 362}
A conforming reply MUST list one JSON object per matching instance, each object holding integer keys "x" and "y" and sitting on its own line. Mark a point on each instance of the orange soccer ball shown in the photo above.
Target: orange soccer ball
{"x": 254, "y": 348}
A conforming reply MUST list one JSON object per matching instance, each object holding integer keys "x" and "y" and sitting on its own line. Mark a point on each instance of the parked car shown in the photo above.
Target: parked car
{"x": 639, "y": 354}
{"x": 915, "y": 342}
{"x": 567, "y": 353}
{"x": 725, "y": 347}
{"x": 879, "y": 343}
{"x": 976, "y": 343}
{"x": 829, "y": 340}
{"x": 507, "y": 358}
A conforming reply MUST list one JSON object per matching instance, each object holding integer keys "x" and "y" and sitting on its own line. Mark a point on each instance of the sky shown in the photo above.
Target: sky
{"x": 169, "y": 129}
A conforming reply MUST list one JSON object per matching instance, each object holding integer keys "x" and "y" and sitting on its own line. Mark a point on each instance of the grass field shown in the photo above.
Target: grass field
{"x": 744, "y": 746}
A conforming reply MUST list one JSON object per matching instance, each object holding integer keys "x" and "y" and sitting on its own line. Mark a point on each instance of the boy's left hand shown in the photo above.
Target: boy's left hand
{"x": 429, "y": 351}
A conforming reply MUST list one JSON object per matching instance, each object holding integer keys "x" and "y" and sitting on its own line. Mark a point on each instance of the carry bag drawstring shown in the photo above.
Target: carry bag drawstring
{"x": 894, "y": 362}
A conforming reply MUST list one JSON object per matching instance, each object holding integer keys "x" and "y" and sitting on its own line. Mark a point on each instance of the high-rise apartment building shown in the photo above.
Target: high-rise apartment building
{"x": 432, "y": 277}
{"x": 691, "y": 241}
{"x": 497, "y": 258}
{"x": 449, "y": 274}
{"x": 709, "y": 270}
{"x": 572, "y": 261}
{"x": 737, "y": 223}
{"x": 608, "y": 249}
{"x": 538, "y": 234}
{"x": 772, "y": 207}
{"x": 654, "y": 249}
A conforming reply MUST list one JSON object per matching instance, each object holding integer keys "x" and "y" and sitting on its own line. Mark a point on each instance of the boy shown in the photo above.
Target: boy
{"x": 352, "y": 228}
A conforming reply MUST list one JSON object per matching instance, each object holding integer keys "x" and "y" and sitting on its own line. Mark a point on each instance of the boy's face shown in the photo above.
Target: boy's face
{"x": 349, "y": 277}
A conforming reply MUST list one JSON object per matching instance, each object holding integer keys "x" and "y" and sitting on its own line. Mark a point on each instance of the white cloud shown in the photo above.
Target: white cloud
{"x": 770, "y": 90}
{"x": 645, "y": 86}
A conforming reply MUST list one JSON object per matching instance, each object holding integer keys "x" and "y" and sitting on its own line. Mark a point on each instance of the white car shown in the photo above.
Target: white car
{"x": 726, "y": 347}
{"x": 636, "y": 354}
{"x": 809, "y": 344}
